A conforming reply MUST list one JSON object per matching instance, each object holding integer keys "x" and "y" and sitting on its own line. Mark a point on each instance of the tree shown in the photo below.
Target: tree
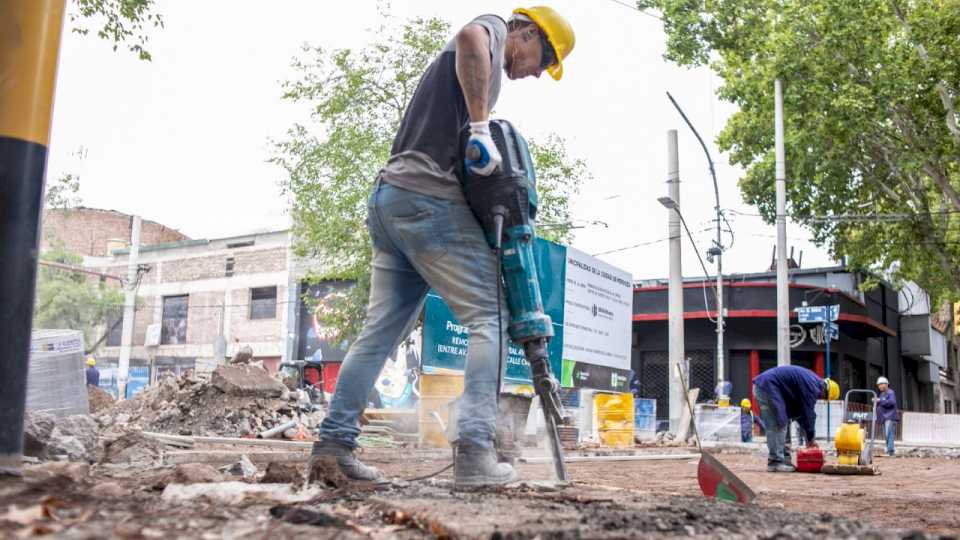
{"x": 119, "y": 21}
{"x": 62, "y": 192}
{"x": 73, "y": 300}
{"x": 357, "y": 100}
{"x": 870, "y": 100}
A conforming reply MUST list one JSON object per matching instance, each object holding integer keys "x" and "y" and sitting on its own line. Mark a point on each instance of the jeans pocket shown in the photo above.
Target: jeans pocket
{"x": 424, "y": 229}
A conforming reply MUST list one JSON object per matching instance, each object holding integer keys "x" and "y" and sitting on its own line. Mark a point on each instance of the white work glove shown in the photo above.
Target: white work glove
{"x": 480, "y": 145}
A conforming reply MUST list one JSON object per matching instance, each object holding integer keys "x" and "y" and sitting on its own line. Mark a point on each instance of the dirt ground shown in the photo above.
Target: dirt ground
{"x": 914, "y": 498}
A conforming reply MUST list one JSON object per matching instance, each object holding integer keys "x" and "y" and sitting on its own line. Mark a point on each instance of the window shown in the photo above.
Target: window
{"x": 174, "y": 325}
{"x": 263, "y": 303}
{"x": 228, "y": 267}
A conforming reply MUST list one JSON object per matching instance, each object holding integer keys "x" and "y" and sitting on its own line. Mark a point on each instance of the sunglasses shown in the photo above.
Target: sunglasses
{"x": 548, "y": 57}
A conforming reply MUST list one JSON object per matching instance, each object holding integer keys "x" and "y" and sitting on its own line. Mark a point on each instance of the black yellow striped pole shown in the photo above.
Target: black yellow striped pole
{"x": 29, "y": 46}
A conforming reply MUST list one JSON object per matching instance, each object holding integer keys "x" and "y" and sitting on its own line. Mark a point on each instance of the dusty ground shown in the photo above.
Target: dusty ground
{"x": 608, "y": 500}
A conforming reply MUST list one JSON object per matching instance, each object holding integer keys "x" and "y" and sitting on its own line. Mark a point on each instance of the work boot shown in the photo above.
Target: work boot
{"x": 780, "y": 467}
{"x": 475, "y": 466}
{"x": 349, "y": 465}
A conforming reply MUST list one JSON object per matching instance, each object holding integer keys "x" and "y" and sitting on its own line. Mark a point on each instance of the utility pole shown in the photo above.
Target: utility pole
{"x": 129, "y": 306}
{"x": 28, "y": 64}
{"x": 783, "y": 290}
{"x": 675, "y": 290}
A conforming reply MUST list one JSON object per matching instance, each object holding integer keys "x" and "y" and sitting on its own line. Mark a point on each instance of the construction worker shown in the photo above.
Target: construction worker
{"x": 887, "y": 411}
{"x": 93, "y": 374}
{"x": 784, "y": 394}
{"x": 747, "y": 420}
{"x": 425, "y": 236}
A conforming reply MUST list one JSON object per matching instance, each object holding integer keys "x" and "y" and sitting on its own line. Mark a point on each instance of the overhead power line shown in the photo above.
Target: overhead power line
{"x": 638, "y": 10}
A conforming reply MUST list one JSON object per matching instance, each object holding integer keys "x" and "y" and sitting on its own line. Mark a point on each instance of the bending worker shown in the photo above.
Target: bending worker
{"x": 424, "y": 234}
{"x": 787, "y": 393}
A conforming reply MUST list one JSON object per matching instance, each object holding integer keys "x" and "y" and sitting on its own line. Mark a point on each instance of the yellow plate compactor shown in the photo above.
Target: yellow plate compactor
{"x": 854, "y": 450}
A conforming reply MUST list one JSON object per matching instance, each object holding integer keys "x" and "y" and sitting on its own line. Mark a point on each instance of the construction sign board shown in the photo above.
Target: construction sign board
{"x": 590, "y": 304}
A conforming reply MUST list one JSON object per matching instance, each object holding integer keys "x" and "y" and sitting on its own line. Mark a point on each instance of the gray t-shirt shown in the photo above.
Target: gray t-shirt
{"x": 426, "y": 154}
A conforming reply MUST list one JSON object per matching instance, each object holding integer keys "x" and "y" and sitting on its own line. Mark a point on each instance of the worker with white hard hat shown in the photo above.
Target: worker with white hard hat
{"x": 887, "y": 411}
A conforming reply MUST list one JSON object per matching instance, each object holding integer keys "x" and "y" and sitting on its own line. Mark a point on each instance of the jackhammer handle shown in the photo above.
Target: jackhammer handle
{"x": 473, "y": 153}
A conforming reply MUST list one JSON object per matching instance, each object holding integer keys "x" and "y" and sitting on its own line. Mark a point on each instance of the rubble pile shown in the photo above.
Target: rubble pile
{"x": 99, "y": 399}
{"x": 49, "y": 437}
{"x": 238, "y": 401}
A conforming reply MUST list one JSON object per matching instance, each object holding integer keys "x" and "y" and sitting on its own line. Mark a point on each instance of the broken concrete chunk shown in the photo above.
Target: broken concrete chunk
{"x": 237, "y": 493}
{"x": 282, "y": 473}
{"x": 189, "y": 473}
{"x": 48, "y": 437}
{"x": 245, "y": 380}
{"x": 244, "y": 468}
{"x": 133, "y": 448}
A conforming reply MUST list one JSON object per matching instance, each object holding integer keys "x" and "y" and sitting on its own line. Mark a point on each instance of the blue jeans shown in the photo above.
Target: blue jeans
{"x": 777, "y": 435}
{"x": 889, "y": 430}
{"x": 421, "y": 242}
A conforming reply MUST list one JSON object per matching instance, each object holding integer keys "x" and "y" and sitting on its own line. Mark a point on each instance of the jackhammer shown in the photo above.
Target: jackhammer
{"x": 505, "y": 204}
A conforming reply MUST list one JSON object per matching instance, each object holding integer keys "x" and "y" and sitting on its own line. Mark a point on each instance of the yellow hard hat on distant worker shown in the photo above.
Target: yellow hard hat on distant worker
{"x": 558, "y": 31}
{"x": 745, "y": 403}
{"x": 833, "y": 392}
{"x": 91, "y": 361}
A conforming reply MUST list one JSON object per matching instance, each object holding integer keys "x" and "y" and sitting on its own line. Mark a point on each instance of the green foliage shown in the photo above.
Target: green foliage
{"x": 62, "y": 192}
{"x": 119, "y": 22}
{"x": 73, "y": 300}
{"x": 870, "y": 90}
{"x": 357, "y": 100}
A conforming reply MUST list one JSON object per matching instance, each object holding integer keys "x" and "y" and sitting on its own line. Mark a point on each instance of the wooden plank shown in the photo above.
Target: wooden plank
{"x": 224, "y": 457}
{"x": 647, "y": 457}
{"x": 863, "y": 470}
{"x": 238, "y": 441}
{"x": 686, "y": 418}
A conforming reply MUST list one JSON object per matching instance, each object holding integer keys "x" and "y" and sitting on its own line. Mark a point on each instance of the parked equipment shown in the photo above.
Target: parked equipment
{"x": 854, "y": 448}
{"x": 810, "y": 460}
{"x": 308, "y": 376}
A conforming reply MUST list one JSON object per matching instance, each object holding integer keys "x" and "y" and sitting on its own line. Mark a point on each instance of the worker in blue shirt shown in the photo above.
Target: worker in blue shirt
{"x": 93, "y": 374}
{"x": 787, "y": 393}
{"x": 887, "y": 412}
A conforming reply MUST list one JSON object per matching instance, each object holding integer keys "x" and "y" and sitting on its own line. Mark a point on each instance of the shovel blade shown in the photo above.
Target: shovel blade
{"x": 719, "y": 482}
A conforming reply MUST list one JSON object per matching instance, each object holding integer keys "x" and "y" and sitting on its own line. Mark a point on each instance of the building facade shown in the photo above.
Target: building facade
{"x": 93, "y": 232}
{"x": 870, "y": 343}
{"x": 207, "y": 299}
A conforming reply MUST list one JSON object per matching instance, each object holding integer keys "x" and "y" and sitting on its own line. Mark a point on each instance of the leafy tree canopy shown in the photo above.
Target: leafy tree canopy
{"x": 121, "y": 22}
{"x": 870, "y": 101}
{"x": 357, "y": 99}
{"x": 73, "y": 300}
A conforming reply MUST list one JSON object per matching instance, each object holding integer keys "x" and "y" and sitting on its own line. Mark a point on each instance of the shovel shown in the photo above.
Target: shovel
{"x": 716, "y": 481}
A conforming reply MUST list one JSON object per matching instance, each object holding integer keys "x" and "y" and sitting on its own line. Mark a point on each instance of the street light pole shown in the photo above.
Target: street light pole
{"x": 717, "y": 250}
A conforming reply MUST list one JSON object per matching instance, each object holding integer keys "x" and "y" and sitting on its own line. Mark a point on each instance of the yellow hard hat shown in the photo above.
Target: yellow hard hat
{"x": 745, "y": 403}
{"x": 558, "y": 32}
{"x": 834, "y": 389}
{"x": 91, "y": 361}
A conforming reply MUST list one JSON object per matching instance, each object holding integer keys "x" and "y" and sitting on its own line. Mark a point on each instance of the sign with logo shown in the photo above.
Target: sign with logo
{"x": 590, "y": 304}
